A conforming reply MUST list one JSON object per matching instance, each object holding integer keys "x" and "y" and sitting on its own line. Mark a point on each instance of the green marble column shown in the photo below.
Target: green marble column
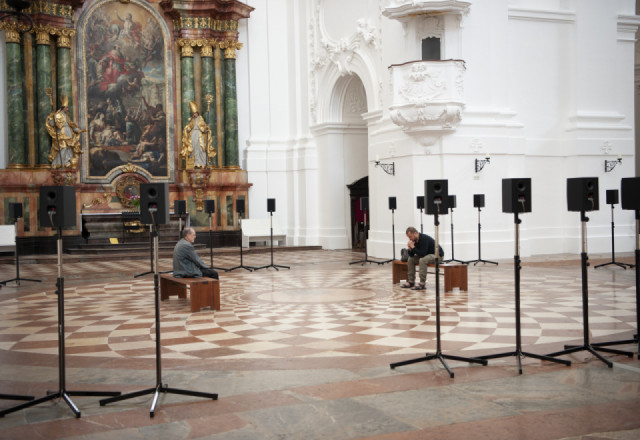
{"x": 64, "y": 76}
{"x": 230, "y": 112}
{"x": 44, "y": 109}
{"x": 208, "y": 104}
{"x": 187, "y": 82}
{"x": 15, "y": 100}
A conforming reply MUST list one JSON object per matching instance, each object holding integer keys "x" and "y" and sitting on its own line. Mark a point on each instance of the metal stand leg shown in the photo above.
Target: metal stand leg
{"x": 453, "y": 258}
{"x": 480, "y": 260}
{"x": 275, "y": 266}
{"x": 393, "y": 239}
{"x": 17, "y": 279}
{"x": 613, "y": 248}
{"x": 159, "y": 388}
{"x": 62, "y": 391}
{"x": 438, "y": 354}
{"x": 211, "y": 246}
{"x": 587, "y": 346}
{"x": 635, "y": 339}
{"x": 518, "y": 351}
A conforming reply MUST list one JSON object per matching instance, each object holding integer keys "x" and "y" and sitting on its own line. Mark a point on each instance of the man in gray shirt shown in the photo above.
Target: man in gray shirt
{"x": 186, "y": 263}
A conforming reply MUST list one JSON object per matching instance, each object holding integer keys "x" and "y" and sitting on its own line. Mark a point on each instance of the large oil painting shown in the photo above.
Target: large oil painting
{"x": 125, "y": 84}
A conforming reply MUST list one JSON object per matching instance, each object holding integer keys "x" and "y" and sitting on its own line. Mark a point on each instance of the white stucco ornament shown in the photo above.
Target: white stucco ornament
{"x": 427, "y": 98}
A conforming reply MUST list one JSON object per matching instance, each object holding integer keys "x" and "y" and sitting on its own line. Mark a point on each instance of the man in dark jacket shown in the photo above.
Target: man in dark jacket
{"x": 422, "y": 251}
{"x": 186, "y": 263}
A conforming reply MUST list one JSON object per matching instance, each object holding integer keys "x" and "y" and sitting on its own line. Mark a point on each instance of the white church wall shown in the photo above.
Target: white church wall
{"x": 537, "y": 98}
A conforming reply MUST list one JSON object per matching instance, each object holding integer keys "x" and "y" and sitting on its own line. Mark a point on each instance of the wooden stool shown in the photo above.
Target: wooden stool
{"x": 205, "y": 292}
{"x": 455, "y": 275}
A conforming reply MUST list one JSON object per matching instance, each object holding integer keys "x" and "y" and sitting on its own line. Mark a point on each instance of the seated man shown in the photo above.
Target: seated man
{"x": 186, "y": 263}
{"x": 422, "y": 250}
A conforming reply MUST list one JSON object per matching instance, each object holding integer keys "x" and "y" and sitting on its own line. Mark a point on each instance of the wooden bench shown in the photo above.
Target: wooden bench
{"x": 204, "y": 291}
{"x": 455, "y": 275}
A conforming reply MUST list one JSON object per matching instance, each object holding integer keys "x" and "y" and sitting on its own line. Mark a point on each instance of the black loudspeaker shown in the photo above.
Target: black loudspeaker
{"x": 392, "y": 203}
{"x": 516, "y": 195}
{"x": 612, "y": 197}
{"x": 271, "y": 205}
{"x": 582, "y": 194}
{"x": 15, "y": 210}
{"x": 209, "y": 206}
{"x": 240, "y": 206}
{"x": 420, "y": 202}
{"x": 60, "y": 201}
{"x": 154, "y": 199}
{"x": 452, "y": 202}
{"x": 180, "y": 207}
{"x": 436, "y": 197}
{"x": 364, "y": 203}
{"x": 478, "y": 200}
{"x": 630, "y": 193}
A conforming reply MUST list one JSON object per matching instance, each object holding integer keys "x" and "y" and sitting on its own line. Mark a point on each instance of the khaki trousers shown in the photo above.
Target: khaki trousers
{"x": 423, "y": 262}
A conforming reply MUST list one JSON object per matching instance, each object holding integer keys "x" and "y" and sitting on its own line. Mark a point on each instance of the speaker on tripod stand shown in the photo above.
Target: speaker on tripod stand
{"x": 612, "y": 199}
{"x": 154, "y": 211}
{"x": 210, "y": 209}
{"x": 516, "y": 199}
{"x": 452, "y": 205}
{"x": 392, "y": 206}
{"x": 630, "y": 191}
{"x": 478, "y": 202}
{"x": 180, "y": 209}
{"x": 582, "y": 196}
{"x": 436, "y": 203}
{"x": 58, "y": 210}
{"x": 240, "y": 212}
{"x": 271, "y": 208}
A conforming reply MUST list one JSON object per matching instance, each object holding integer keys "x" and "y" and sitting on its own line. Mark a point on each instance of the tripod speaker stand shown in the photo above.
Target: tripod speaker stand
{"x": 62, "y": 392}
{"x": 364, "y": 206}
{"x": 612, "y": 199}
{"x": 515, "y": 204}
{"x": 17, "y": 279}
{"x": 452, "y": 204}
{"x": 436, "y": 192}
{"x": 210, "y": 208}
{"x": 582, "y": 195}
{"x": 159, "y": 387}
{"x": 392, "y": 207}
{"x": 631, "y": 200}
{"x": 478, "y": 202}
{"x": 240, "y": 211}
{"x": 271, "y": 207}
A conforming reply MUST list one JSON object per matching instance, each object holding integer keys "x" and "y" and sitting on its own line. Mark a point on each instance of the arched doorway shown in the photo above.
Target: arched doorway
{"x": 359, "y": 230}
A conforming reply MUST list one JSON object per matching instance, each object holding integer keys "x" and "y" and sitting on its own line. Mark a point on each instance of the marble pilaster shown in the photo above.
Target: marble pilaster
{"x": 187, "y": 82}
{"x": 208, "y": 105}
{"x": 230, "y": 107}
{"x": 44, "y": 83}
{"x": 64, "y": 78}
{"x": 15, "y": 100}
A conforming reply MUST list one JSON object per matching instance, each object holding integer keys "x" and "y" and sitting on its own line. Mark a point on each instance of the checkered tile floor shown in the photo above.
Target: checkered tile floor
{"x": 322, "y": 307}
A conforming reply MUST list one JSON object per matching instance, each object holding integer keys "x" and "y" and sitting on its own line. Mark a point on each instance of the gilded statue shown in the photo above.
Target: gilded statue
{"x": 65, "y": 138}
{"x": 196, "y": 139}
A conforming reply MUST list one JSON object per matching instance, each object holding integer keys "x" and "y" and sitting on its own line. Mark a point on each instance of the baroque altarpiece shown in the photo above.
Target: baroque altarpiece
{"x": 107, "y": 95}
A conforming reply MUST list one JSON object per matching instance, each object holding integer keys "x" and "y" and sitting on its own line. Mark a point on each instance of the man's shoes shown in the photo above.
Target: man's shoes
{"x": 419, "y": 286}
{"x": 407, "y": 285}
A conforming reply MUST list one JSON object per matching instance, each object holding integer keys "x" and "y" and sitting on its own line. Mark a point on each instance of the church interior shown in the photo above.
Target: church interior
{"x": 300, "y": 140}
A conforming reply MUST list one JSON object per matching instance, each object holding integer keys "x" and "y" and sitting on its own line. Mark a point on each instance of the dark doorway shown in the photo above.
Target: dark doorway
{"x": 358, "y": 190}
